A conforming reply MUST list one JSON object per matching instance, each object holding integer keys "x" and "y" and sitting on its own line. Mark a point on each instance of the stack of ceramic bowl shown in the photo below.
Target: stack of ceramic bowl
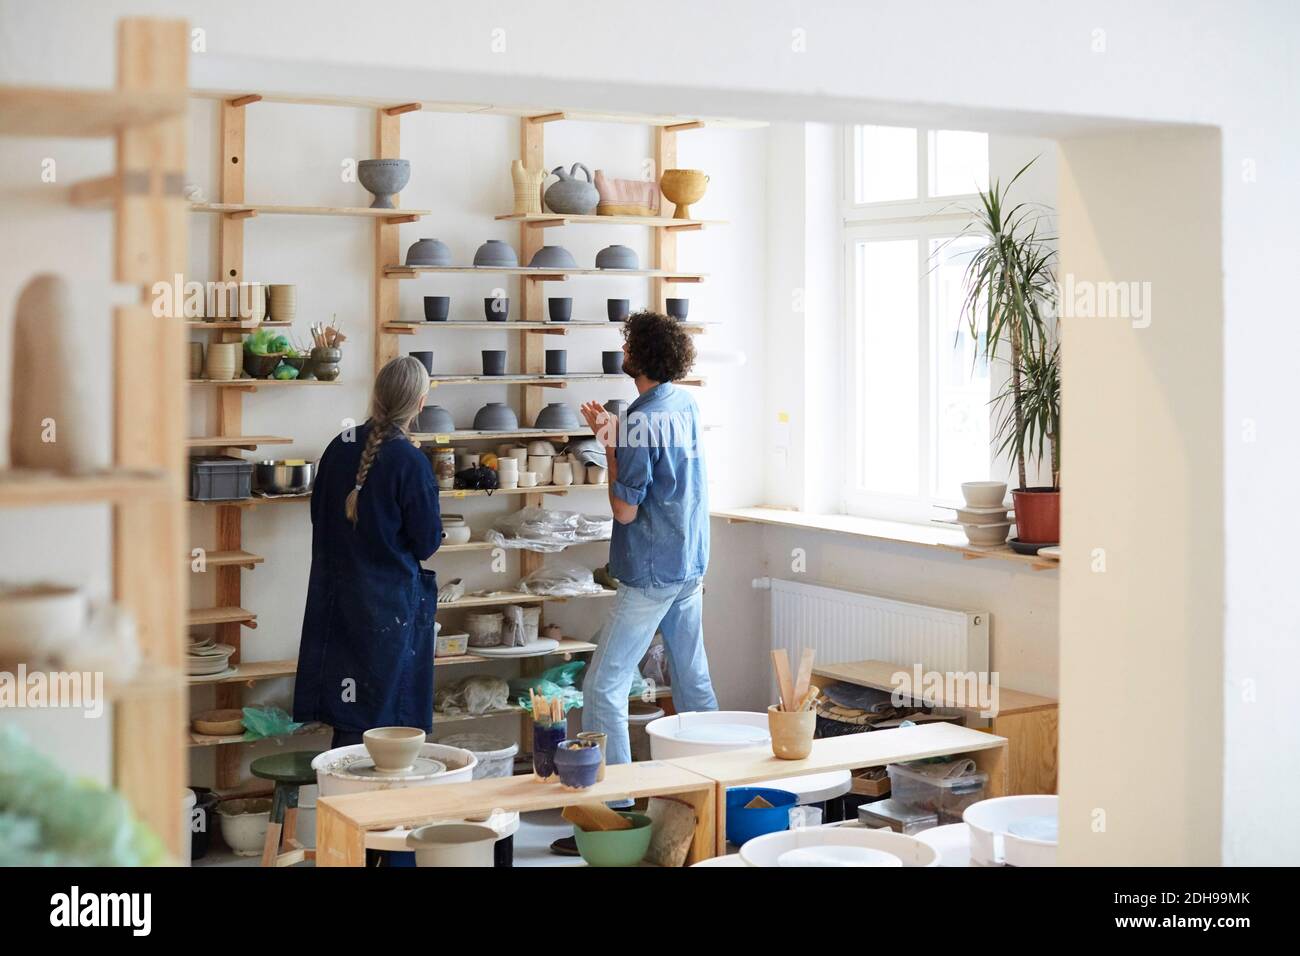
{"x": 985, "y": 518}
{"x": 206, "y": 657}
{"x": 284, "y": 303}
{"x": 507, "y": 472}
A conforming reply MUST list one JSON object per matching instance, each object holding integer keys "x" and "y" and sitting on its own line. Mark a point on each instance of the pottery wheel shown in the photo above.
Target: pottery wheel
{"x": 423, "y": 767}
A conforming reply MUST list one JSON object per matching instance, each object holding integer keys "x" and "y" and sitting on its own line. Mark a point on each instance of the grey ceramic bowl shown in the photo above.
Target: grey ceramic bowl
{"x": 553, "y": 257}
{"x": 434, "y": 419}
{"x": 616, "y": 407}
{"x": 385, "y": 178}
{"x": 617, "y": 257}
{"x": 496, "y": 252}
{"x": 428, "y": 252}
{"x": 557, "y": 415}
{"x": 496, "y": 417}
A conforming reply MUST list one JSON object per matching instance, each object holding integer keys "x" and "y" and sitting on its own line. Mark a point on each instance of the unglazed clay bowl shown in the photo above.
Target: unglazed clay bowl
{"x": 428, "y": 252}
{"x": 617, "y": 257}
{"x": 496, "y": 252}
{"x": 393, "y": 749}
{"x": 553, "y": 257}
{"x": 496, "y": 417}
{"x": 434, "y": 419}
{"x": 984, "y": 494}
{"x": 557, "y": 416}
{"x": 683, "y": 187}
{"x": 385, "y": 178}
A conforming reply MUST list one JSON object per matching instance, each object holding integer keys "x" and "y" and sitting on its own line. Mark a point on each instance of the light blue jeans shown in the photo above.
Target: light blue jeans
{"x": 639, "y": 612}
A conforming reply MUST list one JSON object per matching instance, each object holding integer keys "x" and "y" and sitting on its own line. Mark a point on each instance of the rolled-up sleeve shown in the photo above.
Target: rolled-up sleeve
{"x": 634, "y": 468}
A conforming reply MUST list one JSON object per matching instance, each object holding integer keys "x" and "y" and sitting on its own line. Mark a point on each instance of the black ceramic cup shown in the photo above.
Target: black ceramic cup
{"x": 611, "y": 362}
{"x": 494, "y": 361}
{"x": 618, "y": 309}
{"x": 426, "y": 359}
{"x": 436, "y": 308}
{"x": 561, "y": 309}
{"x": 678, "y": 308}
{"x": 557, "y": 361}
{"x": 496, "y": 309}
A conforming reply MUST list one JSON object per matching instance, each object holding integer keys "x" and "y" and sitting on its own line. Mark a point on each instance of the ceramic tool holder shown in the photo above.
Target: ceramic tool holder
{"x": 546, "y": 739}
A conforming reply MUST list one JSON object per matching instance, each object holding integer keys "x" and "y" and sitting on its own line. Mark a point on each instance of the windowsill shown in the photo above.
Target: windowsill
{"x": 930, "y": 537}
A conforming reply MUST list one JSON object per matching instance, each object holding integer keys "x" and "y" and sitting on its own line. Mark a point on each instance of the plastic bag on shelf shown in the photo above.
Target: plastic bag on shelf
{"x": 561, "y": 579}
{"x": 543, "y": 529}
{"x": 474, "y": 695}
{"x": 262, "y": 722}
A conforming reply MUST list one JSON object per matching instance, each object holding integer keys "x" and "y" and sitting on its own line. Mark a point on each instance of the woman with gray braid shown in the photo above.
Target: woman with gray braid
{"x": 366, "y": 655}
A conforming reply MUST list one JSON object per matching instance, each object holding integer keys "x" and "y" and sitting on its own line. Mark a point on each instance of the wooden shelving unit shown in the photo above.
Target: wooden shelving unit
{"x": 398, "y": 271}
{"x": 243, "y": 210}
{"x": 145, "y": 115}
{"x": 532, "y": 328}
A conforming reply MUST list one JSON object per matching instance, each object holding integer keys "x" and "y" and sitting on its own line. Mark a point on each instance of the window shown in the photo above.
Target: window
{"x": 917, "y": 391}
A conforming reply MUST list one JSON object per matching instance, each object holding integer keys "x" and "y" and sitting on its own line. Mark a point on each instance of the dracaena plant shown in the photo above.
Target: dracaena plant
{"x": 1009, "y": 303}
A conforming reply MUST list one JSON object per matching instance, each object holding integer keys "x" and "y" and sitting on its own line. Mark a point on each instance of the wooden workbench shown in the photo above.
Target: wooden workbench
{"x": 1027, "y": 721}
{"x": 737, "y": 768}
{"x": 343, "y": 821}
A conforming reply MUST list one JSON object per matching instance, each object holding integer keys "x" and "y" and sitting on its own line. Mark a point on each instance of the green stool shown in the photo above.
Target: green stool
{"x": 289, "y": 771}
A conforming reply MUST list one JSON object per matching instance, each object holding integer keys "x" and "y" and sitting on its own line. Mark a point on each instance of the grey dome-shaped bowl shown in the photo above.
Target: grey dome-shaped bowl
{"x": 496, "y": 417}
{"x": 557, "y": 416}
{"x": 384, "y": 178}
{"x": 496, "y": 252}
{"x": 617, "y": 257}
{"x": 553, "y": 257}
{"x": 617, "y": 407}
{"x": 428, "y": 252}
{"x": 434, "y": 419}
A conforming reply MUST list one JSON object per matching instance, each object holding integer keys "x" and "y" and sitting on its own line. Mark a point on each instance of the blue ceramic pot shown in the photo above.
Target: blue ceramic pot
{"x": 617, "y": 257}
{"x": 428, "y": 252}
{"x": 496, "y": 252}
{"x": 546, "y": 738}
{"x": 577, "y": 764}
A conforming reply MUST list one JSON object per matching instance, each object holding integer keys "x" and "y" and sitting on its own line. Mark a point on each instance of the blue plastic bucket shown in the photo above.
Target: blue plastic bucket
{"x": 745, "y": 824}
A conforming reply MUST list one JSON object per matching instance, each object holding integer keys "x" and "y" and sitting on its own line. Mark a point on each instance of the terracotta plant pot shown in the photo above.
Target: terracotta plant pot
{"x": 1038, "y": 515}
{"x": 792, "y": 732}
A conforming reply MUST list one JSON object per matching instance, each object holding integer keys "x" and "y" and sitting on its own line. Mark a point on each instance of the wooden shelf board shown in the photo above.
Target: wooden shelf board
{"x": 879, "y": 675}
{"x": 541, "y": 275}
{"x": 204, "y": 740}
{"x": 226, "y": 559}
{"x": 21, "y": 488}
{"x": 535, "y": 328}
{"x": 519, "y": 434}
{"x": 235, "y": 441}
{"x": 253, "y": 384}
{"x": 196, "y": 617}
{"x": 278, "y": 209}
{"x": 248, "y": 672}
{"x": 522, "y": 379}
{"x": 253, "y": 502}
{"x": 224, "y": 326}
{"x": 567, "y": 646}
{"x": 46, "y": 111}
{"x": 516, "y": 597}
{"x": 538, "y": 490}
{"x": 548, "y": 219}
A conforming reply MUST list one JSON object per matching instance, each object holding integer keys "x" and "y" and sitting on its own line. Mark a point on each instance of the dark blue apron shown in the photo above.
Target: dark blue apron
{"x": 366, "y": 655}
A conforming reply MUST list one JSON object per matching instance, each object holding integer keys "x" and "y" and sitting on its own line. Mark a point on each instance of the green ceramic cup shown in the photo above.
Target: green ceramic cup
{"x": 615, "y": 847}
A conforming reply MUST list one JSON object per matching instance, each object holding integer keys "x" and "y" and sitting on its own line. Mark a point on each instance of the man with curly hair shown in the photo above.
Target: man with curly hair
{"x": 660, "y": 545}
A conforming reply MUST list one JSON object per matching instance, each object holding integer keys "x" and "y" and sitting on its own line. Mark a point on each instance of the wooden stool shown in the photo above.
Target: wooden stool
{"x": 289, "y": 771}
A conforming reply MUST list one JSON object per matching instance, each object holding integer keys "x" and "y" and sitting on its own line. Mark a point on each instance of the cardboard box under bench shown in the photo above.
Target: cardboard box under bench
{"x": 343, "y": 821}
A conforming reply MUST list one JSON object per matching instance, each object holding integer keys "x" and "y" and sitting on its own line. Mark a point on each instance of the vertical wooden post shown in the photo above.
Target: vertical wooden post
{"x": 665, "y": 240}
{"x": 149, "y": 410}
{"x": 388, "y": 145}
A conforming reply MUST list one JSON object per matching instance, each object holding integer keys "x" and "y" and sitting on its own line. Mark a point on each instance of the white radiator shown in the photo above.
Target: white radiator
{"x": 852, "y": 626}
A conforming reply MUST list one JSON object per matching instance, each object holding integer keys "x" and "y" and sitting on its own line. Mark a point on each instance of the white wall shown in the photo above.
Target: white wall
{"x": 1094, "y": 67}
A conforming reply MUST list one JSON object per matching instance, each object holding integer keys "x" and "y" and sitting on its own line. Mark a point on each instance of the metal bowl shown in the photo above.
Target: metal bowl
{"x": 291, "y": 477}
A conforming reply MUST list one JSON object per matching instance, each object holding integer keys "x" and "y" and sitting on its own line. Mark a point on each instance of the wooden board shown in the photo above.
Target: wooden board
{"x": 45, "y": 111}
{"x": 276, "y": 209}
{"x": 549, "y": 219}
{"x": 221, "y": 559}
{"x": 879, "y": 675}
{"x": 543, "y": 275}
{"x": 26, "y": 489}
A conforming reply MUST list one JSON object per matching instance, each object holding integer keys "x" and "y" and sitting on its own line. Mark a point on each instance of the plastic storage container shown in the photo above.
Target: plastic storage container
{"x": 946, "y": 796}
{"x": 896, "y": 816}
{"x": 220, "y": 478}
{"x": 496, "y": 756}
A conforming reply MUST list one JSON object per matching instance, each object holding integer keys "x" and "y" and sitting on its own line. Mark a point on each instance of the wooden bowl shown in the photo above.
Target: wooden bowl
{"x": 219, "y": 723}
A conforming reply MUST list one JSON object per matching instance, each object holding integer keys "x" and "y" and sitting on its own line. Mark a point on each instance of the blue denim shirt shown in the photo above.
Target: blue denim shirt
{"x": 661, "y": 471}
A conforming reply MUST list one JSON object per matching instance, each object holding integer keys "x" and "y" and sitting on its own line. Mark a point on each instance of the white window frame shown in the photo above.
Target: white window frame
{"x": 922, "y": 219}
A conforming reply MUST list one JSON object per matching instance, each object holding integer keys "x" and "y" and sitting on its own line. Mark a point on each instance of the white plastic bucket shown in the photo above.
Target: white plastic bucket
{"x": 990, "y": 842}
{"x": 704, "y": 732}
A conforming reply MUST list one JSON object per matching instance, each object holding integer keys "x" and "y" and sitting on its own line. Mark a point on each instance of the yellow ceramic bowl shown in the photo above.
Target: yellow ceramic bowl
{"x": 683, "y": 187}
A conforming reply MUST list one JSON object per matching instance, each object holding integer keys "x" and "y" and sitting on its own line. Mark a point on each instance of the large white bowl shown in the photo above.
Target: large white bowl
{"x": 991, "y": 843}
{"x": 706, "y": 732}
{"x": 332, "y": 779}
{"x": 767, "y": 850}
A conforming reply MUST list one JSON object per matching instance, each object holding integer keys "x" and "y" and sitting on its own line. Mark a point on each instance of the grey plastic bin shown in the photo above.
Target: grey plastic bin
{"x": 220, "y": 478}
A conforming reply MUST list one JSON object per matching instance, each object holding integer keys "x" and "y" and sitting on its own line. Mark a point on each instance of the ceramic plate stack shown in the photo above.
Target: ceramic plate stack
{"x": 284, "y": 303}
{"x": 207, "y": 658}
{"x": 986, "y": 519}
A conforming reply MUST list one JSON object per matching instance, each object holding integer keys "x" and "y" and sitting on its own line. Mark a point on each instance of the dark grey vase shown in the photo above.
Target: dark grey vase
{"x": 426, "y": 359}
{"x": 436, "y": 308}
{"x": 557, "y": 361}
{"x": 618, "y": 309}
{"x": 611, "y": 362}
{"x": 494, "y": 361}
{"x": 496, "y": 309}
{"x": 678, "y": 308}
{"x": 560, "y": 309}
